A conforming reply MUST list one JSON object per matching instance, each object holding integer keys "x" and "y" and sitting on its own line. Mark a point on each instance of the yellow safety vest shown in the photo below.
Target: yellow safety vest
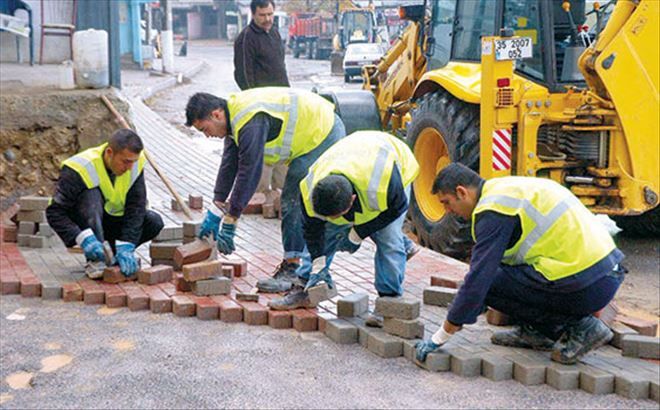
{"x": 367, "y": 159}
{"x": 560, "y": 236}
{"x": 307, "y": 119}
{"x": 91, "y": 168}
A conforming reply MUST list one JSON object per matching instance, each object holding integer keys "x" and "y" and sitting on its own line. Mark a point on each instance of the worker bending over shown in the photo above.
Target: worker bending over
{"x": 272, "y": 125}
{"x": 358, "y": 189}
{"x": 101, "y": 195}
{"x": 540, "y": 256}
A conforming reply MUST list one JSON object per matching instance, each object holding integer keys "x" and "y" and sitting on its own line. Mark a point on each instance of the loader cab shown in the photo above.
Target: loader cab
{"x": 457, "y": 27}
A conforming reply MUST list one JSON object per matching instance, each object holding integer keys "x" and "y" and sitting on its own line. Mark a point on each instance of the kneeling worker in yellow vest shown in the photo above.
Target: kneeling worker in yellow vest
{"x": 275, "y": 125}
{"x": 540, "y": 256}
{"x": 101, "y": 195}
{"x": 358, "y": 189}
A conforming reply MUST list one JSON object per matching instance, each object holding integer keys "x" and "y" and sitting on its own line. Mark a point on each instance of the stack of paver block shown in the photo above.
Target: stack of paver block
{"x": 190, "y": 231}
{"x": 162, "y": 248}
{"x": 33, "y": 230}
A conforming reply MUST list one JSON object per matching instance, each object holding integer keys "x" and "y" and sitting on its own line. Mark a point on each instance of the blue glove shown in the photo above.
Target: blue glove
{"x": 226, "y": 238}
{"x": 423, "y": 348}
{"x": 93, "y": 249}
{"x": 126, "y": 258}
{"x": 210, "y": 226}
{"x": 347, "y": 246}
{"x": 316, "y": 278}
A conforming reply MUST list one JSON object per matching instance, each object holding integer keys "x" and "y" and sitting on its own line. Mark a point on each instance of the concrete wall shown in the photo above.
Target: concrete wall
{"x": 56, "y": 50}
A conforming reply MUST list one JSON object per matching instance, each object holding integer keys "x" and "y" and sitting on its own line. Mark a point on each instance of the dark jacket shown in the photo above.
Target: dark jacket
{"x": 259, "y": 58}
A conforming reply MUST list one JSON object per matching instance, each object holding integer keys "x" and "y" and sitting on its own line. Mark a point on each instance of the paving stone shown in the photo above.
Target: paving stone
{"x": 169, "y": 288}
{"x": 72, "y": 292}
{"x": 92, "y": 292}
{"x": 227, "y": 271}
{"x": 159, "y": 302}
{"x": 268, "y": 211}
{"x": 620, "y": 331}
{"x": 183, "y": 306}
{"x": 189, "y": 239}
{"x": 324, "y": 317}
{"x": 23, "y": 239}
{"x": 27, "y": 228}
{"x": 169, "y": 233}
{"x": 191, "y": 228}
{"x": 654, "y": 391}
{"x": 51, "y": 290}
{"x": 240, "y": 266}
{"x": 319, "y": 293}
{"x": 9, "y": 284}
{"x": 646, "y": 347}
{"x": 230, "y": 311}
{"x": 115, "y": 297}
{"x": 341, "y": 331}
{"x": 631, "y": 386}
{"x": 175, "y": 206}
{"x": 596, "y": 381}
{"x": 113, "y": 274}
{"x": 528, "y": 371}
{"x": 8, "y": 233}
{"x": 38, "y": 242}
{"x": 439, "y": 296}
{"x": 201, "y": 270}
{"x": 182, "y": 285}
{"x": 163, "y": 250}
{"x": 45, "y": 230}
{"x": 206, "y": 308}
{"x": 397, "y": 307}
{"x": 409, "y": 348}
{"x": 136, "y": 298}
{"x": 166, "y": 262}
{"x": 407, "y": 329}
{"x": 447, "y": 279}
{"x": 192, "y": 252}
{"x": 195, "y": 201}
{"x": 495, "y": 367}
{"x": 280, "y": 319}
{"x": 562, "y": 377}
{"x": 355, "y": 304}
{"x": 247, "y": 297}
{"x": 254, "y": 314}
{"x": 33, "y": 203}
{"x": 464, "y": 363}
{"x": 384, "y": 344}
{"x": 212, "y": 286}
{"x": 155, "y": 274}
{"x": 497, "y": 318}
{"x": 304, "y": 320}
{"x": 31, "y": 216}
{"x": 643, "y": 327}
{"x": 435, "y": 362}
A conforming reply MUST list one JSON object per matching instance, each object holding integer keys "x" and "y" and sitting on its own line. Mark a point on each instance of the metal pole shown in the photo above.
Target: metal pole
{"x": 167, "y": 37}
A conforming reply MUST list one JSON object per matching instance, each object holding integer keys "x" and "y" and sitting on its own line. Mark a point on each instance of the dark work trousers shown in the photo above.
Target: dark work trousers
{"x": 546, "y": 310}
{"x": 90, "y": 214}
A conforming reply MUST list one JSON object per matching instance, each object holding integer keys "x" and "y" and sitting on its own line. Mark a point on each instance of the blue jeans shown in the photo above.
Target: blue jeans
{"x": 392, "y": 246}
{"x": 546, "y": 310}
{"x": 292, "y": 234}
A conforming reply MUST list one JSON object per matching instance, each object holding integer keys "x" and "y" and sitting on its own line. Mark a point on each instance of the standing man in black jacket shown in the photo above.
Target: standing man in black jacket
{"x": 259, "y": 51}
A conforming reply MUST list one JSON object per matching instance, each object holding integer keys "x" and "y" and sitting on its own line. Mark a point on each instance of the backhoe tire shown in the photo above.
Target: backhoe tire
{"x": 443, "y": 129}
{"x": 646, "y": 225}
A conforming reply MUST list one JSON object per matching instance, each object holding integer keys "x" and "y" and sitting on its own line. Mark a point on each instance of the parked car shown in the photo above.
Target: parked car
{"x": 359, "y": 54}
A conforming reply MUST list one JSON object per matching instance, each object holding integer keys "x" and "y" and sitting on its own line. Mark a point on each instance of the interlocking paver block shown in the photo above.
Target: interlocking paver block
{"x": 240, "y": 266}
{"x": 409, "y": 348}
{"x": 435, "y": 362}
{"x": 439, "y": 296}
{"x": 169, "y": 233}
{"x": 355, "y": 304}
{"x": 113, "y": 274}
{"x": 620, "y": 331}
{"x": 254, "y": 314}
{"x": 23, "y": 239}
{"x": 201, "y": 270}
{"x": 384, "y": 344}
{"x": 195, "y": 251}
{"x": 280, "y": 319}
{"x": 115, "y": 297}
{"x": 596, "y": 381}
{"x": 159, "y": 302}
{"x": 166, "y": 262}
{"x": 341, "y": 331}
{"x": 45, "y": 230}
{"x": 631, "y": 386}
{"x": 464, "y": 363}
{"x": 30, "y": 286}
{"x": 398, "y": 307}
{"x": 92, "y": 292}
{"x": 319, "y": 293}
{"x": 37, "y": 241}
{"x": 304, "y": 320}
{"x": 646, "y": 347}
{"x": 51, "y": 290}
{"x": 8, "y": 233}
{"x": 227, "y": 271}
{"x": 191, "y": 228}
{"x": 230, "y": 311}
{"x": 72, "y": 292}
{"x": 528, "y": 371}
{"x": 163, "y": 250}
{"x": 183, "y": 306}
{"x": 155, "y": 274}
{"x": 27, "y": 228}
{"x": 642, "y": 326}
{"x": 562, "y": 377}
{"x": 206, "y": 308}
{"x": 31, "y": 216}
{"x": 495, "y": 367}
{"x": 247, "y": 297}
{"x": 136, "y": 298}
{"x": 448, "y": 279}
{"x": 407, "y": 329}
{"x": 182, "y": 285}
{"x": 195, "y": 201}
{"x": 212, "y": 286}
{"x": 33, "y": 203}
{"x": 9, "y": 284}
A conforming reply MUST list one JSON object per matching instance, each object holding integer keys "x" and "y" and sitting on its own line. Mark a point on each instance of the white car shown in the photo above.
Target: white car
{"x": 359, "y": 54}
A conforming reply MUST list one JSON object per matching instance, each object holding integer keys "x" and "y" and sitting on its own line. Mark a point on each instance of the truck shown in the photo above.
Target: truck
{"x": 310, "y": 35}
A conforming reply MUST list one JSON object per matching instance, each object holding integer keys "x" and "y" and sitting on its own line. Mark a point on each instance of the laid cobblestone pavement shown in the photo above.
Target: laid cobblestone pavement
{"x": 192, "y": 168}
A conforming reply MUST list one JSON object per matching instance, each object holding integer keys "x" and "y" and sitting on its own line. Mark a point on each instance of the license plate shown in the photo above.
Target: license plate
{"x": 513, "y": 49}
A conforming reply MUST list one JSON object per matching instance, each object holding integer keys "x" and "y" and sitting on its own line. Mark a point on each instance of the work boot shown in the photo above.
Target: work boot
{"x": 297, "y": 298}
{"x": 374, "y": 320}
{"x": 94, "y": 270}
{"x": 580, "y": 338}
{"x": 414, "y": 250}
{"x": 523, "y": 336}
{"x": 283, "y": 279}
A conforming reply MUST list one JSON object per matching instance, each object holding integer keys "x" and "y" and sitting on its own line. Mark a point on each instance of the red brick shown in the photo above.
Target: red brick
{"x": 168, "y": 288}
{"x": 254, "y": 314}
{"x": 30, "y": 286}
{"x": 254, "y": 207}
{"x": 608, "y": 314}
{"x": 192, "y": 252}
{"x": 195, "y": 201}
{"x": 136, "y": 298}
{"x": 182, "y": 285}
{"x": 9, "y": 233}
{"x": 162, "y": 250}
{"x": 280, "y": 319}
{"x": 207, "y": 308}
{"x": 452, "y": 280}
{"x": 155, "y": 274}
{"x": 201, "y": 270}
{"x": 239, "y": 266}
{"x": 227, "y": 272}
{"x": 183, "y": 306}
{"x": 643, "y": 327}
{"x": 497, "y": 318}
{"x": 159, "y": 302}
{"x": 247, "y": 297}
{"x": 268, "y": 211}
{"x": 304, "y": 320}
{"x": 72, "y": 292}
{"x": 115, "y": 297}
{"x": 230, "y": 311}
{"x": 9, "y": 284}
{"x": 113, "y": 274}
{"x": 92, "y": 292}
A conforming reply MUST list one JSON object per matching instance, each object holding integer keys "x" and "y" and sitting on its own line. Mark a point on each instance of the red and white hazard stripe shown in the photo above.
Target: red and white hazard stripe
{"x": 501, "y": 149}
